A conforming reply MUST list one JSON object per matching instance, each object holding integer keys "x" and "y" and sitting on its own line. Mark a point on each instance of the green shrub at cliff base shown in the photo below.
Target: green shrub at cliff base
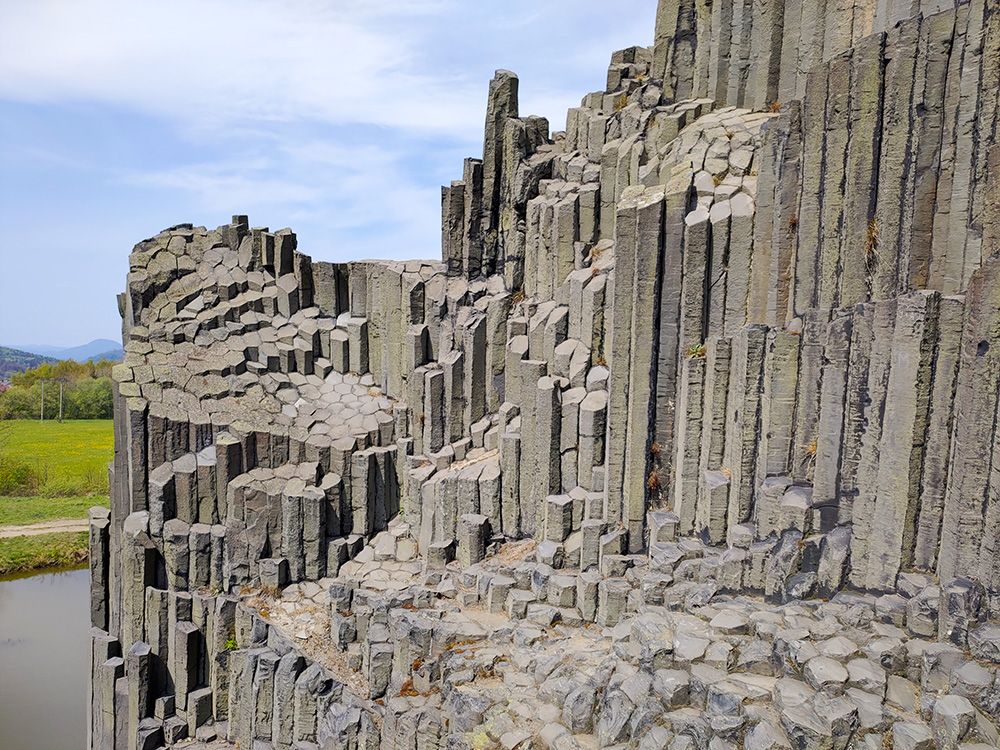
{"x": 86, "y": 386}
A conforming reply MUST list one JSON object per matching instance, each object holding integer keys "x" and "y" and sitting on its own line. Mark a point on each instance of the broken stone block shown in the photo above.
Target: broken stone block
{"x": 274, "y": 573}
{"x": 612, "y": 594}
{"x": 473, "y": 533}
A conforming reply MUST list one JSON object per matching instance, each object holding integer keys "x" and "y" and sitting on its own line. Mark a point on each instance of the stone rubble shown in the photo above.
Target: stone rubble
{"x": 689, "y": 440}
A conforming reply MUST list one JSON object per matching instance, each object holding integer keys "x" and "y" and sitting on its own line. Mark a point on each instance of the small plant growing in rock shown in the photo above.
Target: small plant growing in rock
{"x": 697, "y": 351}
{"x": 230, "y": 644}
{"x": 775, "y": 107}
{"x": 407, "y": 690}
{"x": 811, "y": 449}
{"x": 600, "y": 361}
{"x": 518, "y": 297}
{"x": 653, "y": 481}
{"x": 872, "y": 235}
{"x": 621, "y": 101}
{"x": 793, "y": 224}
{"x": 655, "y": 448}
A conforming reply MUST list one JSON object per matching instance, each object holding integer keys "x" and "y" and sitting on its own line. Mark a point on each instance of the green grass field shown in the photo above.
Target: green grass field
{"x": 21, "y": 553}
{"x": 58, "y": 459}
{"x": 50, "y": 471}
{"x": 19, "y": 511}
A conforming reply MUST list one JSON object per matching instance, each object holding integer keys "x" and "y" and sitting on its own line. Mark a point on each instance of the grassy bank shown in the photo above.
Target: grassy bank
{"x": 21, "y": 553}
{"x": 19, "y": 511}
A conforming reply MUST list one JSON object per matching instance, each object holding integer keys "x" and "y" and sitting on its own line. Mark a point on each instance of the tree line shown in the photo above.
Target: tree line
{"x": 86, "y": 391}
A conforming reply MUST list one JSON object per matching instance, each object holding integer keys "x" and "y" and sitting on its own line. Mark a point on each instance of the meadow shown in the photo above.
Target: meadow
{"x": 50, "y": 471}
{"x": 55, "y": 459}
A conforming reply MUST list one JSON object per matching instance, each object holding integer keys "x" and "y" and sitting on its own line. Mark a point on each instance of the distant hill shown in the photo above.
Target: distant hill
{"x": 96, "y": 349}
{"x": 15, "y": 360}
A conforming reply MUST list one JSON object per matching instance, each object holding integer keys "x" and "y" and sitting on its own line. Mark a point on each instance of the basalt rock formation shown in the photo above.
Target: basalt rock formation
{"x": 689, "y": 440}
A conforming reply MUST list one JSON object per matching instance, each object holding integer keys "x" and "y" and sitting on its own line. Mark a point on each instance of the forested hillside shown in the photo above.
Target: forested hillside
{"x": 14, "y": 361}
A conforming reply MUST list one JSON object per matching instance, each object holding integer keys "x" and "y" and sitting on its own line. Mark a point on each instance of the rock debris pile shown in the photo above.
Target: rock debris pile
{"x": 689, "y": 440}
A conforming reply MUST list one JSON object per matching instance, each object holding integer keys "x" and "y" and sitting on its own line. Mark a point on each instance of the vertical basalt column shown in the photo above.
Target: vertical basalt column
{"x": 531, "y": 371}
{"x": 472, "y": 216}
{"x": 718, "y": 216}
{"x": 641, "y": 481}
{"x": 896, "y": 180}
{"x": 744, "y": 418}
{"x": 836, "y": 135}
{"x": 136, "y": 442}
{"x": 935, "y": 472}
{"x": 739, "y": 52}
{"x": 863, "y": 512}
{"x": 139, "y": 675}
{"x": 740, "y": 260}
{"x": 675, "y": 47}
{"x": 510, "y": 465}
{"x": 497, "y": 313}
{"x": 100, "y": 561}
{"x": 904, "y": 428}
{"x": 548, "y": 422}
{"x": 452, "y": 224}
{"x": 777, "y": 409}
{"x": 501, "y": 105}
{"x": 765, "y": 53}
{"x": 776, "y": 219}
{"x": 136, "y": 559}
{"x": 808, "y": 223}
{"x": 697, "y": 260}
{"x": 473, "y": 334}
{"x": 668, "y": 345}
{"x": 690, "y": 423}
{"x": 968, "y": 534}
{"x": 718, "y": 57}
{"x": 592, "y": 434}
{"x": 810, "y": 380}
{"x": 228, "y": 466}
{"x": 434, "y": 411}
{"x": 831, "y": 426}
{"x": 102, "y": 648}
{"x": 927, "y": 110}
{"x": 711, "y": 500}
{"x": 865, "y": 269}
{"x": 453, "y": 365}
{"x": 622, "y": 301}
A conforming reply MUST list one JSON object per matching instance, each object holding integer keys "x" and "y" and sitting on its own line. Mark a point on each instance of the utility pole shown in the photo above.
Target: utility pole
{"x": 42, "y": 417}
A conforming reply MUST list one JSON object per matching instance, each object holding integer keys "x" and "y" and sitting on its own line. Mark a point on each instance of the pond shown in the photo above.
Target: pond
{"x": 44, "y": 653}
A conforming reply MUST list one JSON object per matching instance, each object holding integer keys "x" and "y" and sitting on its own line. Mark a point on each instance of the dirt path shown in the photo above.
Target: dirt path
{"x": 45, "y": 527}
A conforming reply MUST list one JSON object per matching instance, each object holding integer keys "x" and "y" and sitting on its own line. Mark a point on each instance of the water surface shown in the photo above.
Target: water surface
{"x": 44, "y": 657}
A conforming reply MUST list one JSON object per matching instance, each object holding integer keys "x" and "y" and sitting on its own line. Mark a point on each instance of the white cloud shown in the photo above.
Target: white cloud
{"x": 420, "y": 66}
{"x": 364, "y": 201}
{"x": 217, "y": 62}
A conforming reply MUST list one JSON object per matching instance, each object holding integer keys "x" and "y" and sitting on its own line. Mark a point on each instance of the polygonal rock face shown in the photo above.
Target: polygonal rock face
{"x": 687, "y": 440}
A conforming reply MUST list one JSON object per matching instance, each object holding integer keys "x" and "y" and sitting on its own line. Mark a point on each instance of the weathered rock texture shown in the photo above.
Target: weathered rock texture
{"x": 689, "y": 440}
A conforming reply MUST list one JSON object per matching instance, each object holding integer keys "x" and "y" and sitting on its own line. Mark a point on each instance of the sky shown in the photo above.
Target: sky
{"x": 338, "y": 118}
